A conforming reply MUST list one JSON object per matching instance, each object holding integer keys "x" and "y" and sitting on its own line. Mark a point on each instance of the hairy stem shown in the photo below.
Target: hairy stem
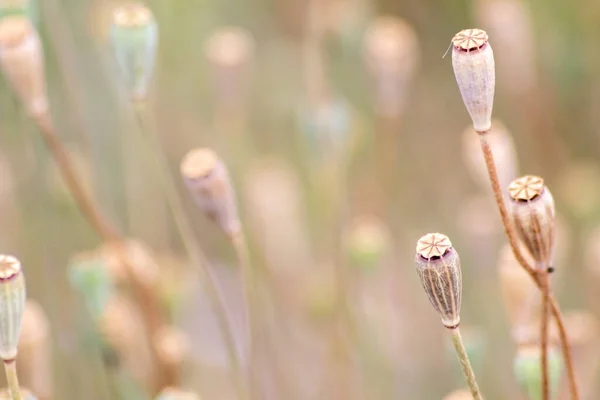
{"x": 147, "y": 301}
{"x": 465, "y": 364}
{"x": 10, "y": 367}
{"x": 512, "y": 239}
{"x": 197, "y": 256}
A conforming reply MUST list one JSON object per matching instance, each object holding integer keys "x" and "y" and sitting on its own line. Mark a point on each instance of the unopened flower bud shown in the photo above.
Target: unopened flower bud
{"x": 207, "y": 179}
{"x": 527, "y": 369}
{"x": 12, "y": 306}
{"x": 134, "y": 38}
{"x": 22, "y": 62}
{"x": 473, "y": 63}
{"x": 171, "y": 393}
{"x": 533, "y": 216}
{"x": 438, "y": 266}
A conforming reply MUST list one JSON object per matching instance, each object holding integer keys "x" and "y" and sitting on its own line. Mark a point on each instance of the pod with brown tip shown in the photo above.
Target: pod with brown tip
{"x": 533, "y": 216}
{"x": 12, "y": 306}
{"x": 207, "y": 180}
{"x": 473, "y": 63}
{"x": 438, "y": 267}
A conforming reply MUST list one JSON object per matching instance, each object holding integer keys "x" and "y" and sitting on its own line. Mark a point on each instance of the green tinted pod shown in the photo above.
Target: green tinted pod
{"x": 134, "y": 38}
{"x": 12, "y": 306}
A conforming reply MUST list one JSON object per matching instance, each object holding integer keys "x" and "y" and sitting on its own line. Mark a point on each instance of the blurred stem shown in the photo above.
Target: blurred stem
{"x": 147, "y": 300}
{"x": 240, "y": 245}
{"x": 465, "y": 364}
{"x": 10, "y": 367}
{"x": 544, "y": 336}
{"x": 513, "y": 241}
{"x": 197, "y": 257}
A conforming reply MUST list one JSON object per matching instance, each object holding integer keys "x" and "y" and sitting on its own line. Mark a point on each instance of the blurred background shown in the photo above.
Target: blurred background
{"x": 346, "y": 139}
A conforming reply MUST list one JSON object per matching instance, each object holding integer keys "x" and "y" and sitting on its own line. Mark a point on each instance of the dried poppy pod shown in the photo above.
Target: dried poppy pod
{"x": 438, "y": 266}
{"x": 473, "y": 63}
{"x": 533, "y": 216}
{"x": 172, "y": 393}
{"x": 459, "y": 395}
{"x": 22, "y": 62}
{"x": 391, "y": 54}
{"x": 134, "y": 38}
{"x": 12, "y": 306}
{"x": 230, "y": 51}
{"x": 207, "y": 179}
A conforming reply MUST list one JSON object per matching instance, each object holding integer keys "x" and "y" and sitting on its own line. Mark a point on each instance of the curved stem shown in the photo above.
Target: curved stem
{"x": 147, "y": 300}
{"x": 197, "y": 256}
{"x": 10, "y": 367}
{"x": 465, "y": 364}
{"x": 512, "y": 239}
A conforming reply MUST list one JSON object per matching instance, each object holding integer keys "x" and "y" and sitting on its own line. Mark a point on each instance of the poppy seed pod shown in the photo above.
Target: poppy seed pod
{"x": 134, "y": 38}
{"x": 22, "y": 63}
{"x": 171, "y": 393}
{"x": 473, "y": 63}
{"x": 207, "y": 179}
{"x": 12, "y": 306}
{"x": 438, "y": 266}
{"x": 533, "y": 216}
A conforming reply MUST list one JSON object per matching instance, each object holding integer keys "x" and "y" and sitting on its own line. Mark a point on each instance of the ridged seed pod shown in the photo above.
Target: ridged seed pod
{"x": 438, "y": 267}
{"x": 533, "y": 216}
{"x": 22, "y": 62}
{"x": 12, "y": 306}
{"x": 134, "y": 38}
{"x": 473, "y": 63}
{"x": 171, "y": 393}
{"x": 207, "y": 179}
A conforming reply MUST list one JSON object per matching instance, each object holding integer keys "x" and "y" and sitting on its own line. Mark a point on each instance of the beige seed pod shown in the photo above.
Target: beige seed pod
{"x": 533, "y": 216}
{"x": 123, "y": 328}
{"x": 171, "y": 393}
{"x": 35, "y": 358}
{"x": 520, "y": 296}
{"x": 207, "y": 180}
{"x": 22, "y": 62}
{"x": 391, "y": 54}
{"x": 462, "y": 394}
{"x": 172, "y": 345}
{"x": 438, "y": 267}
{"x": 473, "y": 63}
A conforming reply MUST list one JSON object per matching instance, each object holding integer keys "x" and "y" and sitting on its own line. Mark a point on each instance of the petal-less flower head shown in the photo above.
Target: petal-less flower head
{"x": 134, "y": 38}
{"x": 438, "y": 267}
{"x": 207, "y": 180}
{"x": 12, "y": 306}
{"x": 533, "y": 215}
{"x": 473, "y": 63}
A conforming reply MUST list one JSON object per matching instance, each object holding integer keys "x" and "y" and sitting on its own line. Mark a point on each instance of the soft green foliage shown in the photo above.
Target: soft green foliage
{"x": 93, "y": 280}
{"x": 527, "y": 370}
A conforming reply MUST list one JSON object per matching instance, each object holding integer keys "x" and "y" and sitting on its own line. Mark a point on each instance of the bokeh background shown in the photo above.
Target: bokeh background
{"x": 346, "y": 139}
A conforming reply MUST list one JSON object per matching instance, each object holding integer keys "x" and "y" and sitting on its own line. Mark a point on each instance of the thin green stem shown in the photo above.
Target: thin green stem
{"x": 465, "y": 364}
{"x": 197, "y": 257}
{"x": 10, "y": 367}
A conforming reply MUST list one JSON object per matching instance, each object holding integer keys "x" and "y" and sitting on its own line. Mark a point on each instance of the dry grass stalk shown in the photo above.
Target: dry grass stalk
{"x": 35, "y": 357}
